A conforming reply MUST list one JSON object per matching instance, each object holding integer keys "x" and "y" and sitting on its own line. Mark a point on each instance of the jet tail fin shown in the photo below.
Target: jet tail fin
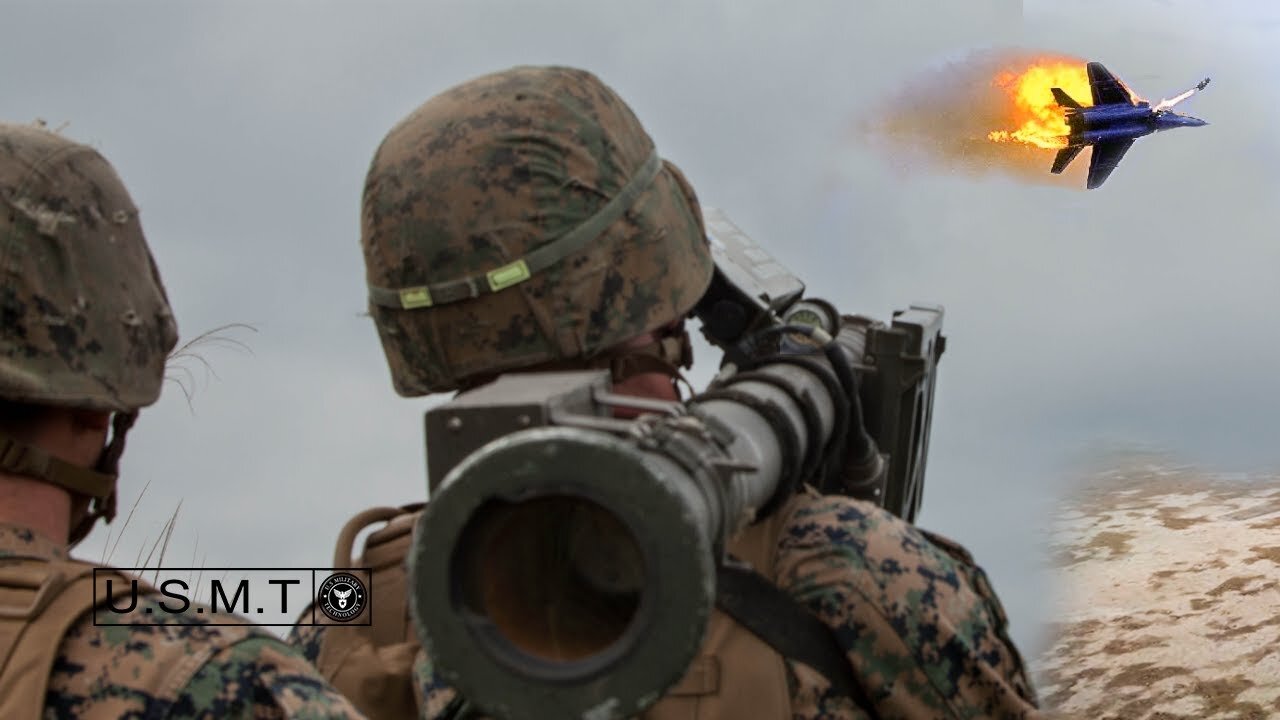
{"x": 1064, "y": 99}
{"x": 1064, "y": 158}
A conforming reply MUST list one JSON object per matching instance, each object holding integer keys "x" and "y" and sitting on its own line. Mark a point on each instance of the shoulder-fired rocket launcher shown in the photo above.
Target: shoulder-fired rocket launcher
{"x": 566, "y": 563}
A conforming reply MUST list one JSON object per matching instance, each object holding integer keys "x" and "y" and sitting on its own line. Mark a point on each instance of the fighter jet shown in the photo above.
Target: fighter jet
{"x": 1114, "y": 121}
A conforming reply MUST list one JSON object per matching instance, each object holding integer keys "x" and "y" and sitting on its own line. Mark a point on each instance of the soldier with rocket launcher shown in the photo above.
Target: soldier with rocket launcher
{"x": 594, "y": 547}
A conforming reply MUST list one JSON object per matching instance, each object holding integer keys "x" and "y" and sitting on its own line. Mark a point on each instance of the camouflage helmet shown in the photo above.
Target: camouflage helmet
{"x": 519, "y": 219}
{"x": 86, "y": 320}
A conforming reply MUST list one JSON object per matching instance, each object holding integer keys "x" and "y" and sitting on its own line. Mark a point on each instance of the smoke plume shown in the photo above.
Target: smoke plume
{"x": 944, "y": 118}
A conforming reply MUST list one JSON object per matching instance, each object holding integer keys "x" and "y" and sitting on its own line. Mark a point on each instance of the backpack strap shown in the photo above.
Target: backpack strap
{"x": 372, "y": 665}
{"x": 39, "y": 602}
{"x": 788, "y": 627}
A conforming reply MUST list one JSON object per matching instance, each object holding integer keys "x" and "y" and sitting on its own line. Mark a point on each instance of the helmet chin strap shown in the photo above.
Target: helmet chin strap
{"x": 93, "y": 490}
{"x": 108, "y": 465}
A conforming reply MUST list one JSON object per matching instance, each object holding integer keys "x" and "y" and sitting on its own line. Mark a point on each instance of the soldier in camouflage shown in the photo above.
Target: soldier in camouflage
{"x": 486, "y": 253}
{"x": 85, "y": 335}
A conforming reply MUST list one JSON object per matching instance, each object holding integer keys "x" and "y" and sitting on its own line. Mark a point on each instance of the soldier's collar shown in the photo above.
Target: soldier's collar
{"x": 21, "y": 542}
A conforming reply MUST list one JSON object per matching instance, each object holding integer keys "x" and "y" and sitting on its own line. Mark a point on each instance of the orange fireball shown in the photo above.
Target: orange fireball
{"x": 1035, "y": 117}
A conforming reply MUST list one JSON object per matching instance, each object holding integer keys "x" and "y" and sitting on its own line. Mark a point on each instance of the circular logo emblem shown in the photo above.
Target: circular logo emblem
{"x": 342, "y": 597}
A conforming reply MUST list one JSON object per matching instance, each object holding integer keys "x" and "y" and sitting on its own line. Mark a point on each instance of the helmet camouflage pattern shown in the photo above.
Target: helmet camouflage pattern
{"x": 86, "y": 322}
{"x": 523, "y": 218}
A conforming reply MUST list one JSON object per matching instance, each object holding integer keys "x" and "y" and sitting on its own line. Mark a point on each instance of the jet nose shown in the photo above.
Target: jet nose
{"x": 1170, "y": 120}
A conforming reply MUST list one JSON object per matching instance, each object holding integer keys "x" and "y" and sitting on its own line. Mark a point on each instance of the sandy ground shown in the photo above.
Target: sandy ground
{"x": 1169, "y": 598}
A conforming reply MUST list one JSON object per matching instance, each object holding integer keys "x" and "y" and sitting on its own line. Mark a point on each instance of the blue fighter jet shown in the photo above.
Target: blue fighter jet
{"x": 1114, "y": 121}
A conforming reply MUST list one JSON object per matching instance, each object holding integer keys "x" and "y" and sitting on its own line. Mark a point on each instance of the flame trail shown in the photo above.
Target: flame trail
{"x": 1040, "y": 120}
{"x": 989, "y": 112}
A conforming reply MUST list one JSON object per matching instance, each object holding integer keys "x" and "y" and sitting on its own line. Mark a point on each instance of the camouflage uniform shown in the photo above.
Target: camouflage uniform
{"x": 918, "y": 619}
{"x": 486, "y": 252}
{"x": 183, "y": 668}
{"x": 87, "y": 325}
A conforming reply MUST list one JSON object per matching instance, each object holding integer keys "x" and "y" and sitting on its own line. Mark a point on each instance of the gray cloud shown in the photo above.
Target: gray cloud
{"x": 1140, "y": 312}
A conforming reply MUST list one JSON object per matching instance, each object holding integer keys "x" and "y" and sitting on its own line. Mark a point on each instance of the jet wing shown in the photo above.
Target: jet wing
{"x": 1107, "y": 88}
{"x": 1064, "y": 158}
{"x": 1106, "y": 156}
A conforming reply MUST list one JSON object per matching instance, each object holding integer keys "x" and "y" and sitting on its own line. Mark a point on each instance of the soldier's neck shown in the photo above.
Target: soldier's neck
{"x": 38, "y": 506}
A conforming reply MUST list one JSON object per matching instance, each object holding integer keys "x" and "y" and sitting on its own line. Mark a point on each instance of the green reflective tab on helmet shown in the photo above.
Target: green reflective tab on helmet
{"x": 415, "y": 297}
{"x": 517, "y": 271}
{"x": 508, "y": 275}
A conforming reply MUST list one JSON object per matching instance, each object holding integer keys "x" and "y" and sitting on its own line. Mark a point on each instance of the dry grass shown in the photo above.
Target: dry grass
{"x": 107, "y": 557}
{"x": 186, "y": 367}
{"x": 165, "y": 533}
{"x": 178, "y": 369}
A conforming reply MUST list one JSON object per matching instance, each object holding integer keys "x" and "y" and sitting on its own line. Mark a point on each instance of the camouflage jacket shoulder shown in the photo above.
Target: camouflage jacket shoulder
{"x": 917, "y": 617}
{"x": 161, "y": 665}
{"x": 216, "y": 671}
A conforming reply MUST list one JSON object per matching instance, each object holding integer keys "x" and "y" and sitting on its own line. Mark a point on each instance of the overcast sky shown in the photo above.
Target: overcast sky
{"x": 1138, "y": 313}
